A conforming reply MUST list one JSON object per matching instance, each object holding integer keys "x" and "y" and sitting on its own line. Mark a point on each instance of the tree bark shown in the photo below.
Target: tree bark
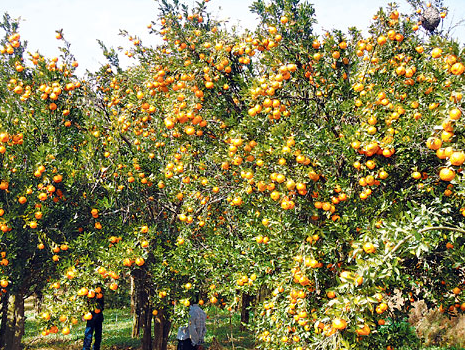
{"x": 38, "y": 299}
{"x": 144, "y": 311}
{"x": 161, "y": 330}
{"x": 140, "y": 306}
{"x": 147, "y": 326}
{"x": 14, "y": 325}
{"x": 3, "y": 319}
{"x": 135, "y": 309}
{"x": 245, "y": 315}
{"x": 263, "y": 294}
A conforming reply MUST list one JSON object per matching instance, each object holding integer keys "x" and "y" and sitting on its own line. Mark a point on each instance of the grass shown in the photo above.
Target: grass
{"x": 222, "y": 332}
{"x": 117, "y": 328}
{"x": 223, "y": 329}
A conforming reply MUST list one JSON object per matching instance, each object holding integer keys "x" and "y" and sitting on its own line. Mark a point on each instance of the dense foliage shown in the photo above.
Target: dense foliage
{"x": 322, "y": 173}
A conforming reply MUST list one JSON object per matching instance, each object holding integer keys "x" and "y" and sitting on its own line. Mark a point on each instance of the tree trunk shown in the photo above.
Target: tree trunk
{"x": 147, "y": 327}
{"x": 161, "y": 330}
{"x": 135, "y": 309}
{"x": 263, "y": 294}
{"x": 38, "y": 299}
{"x": 145, "y": 312}
{"x": 3, "y": 319}
{"x": 14, "y": 326}
{"x": 246, "y": 299}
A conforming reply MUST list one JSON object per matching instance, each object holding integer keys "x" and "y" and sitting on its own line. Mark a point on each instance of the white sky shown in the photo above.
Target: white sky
{"x": 84, "y": 21}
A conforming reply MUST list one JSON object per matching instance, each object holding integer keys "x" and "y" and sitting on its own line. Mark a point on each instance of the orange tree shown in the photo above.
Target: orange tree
{"x": 310, "y": 153}
{"x": 361, "y": 112}
{"x": 42, "y": 111}
{"x": 324, "y": 169}
{"x": 336, "y": 181}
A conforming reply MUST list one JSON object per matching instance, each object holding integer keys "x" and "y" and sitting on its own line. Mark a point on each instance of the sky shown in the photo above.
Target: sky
{"x": 85, "y": 21}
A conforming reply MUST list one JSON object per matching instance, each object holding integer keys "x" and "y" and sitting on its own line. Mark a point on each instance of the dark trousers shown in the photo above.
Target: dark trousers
{"x": 185, "y": 345}
{"x": 93, "y": 327}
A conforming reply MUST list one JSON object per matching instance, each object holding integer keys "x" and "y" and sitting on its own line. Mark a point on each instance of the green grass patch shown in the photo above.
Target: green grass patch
{"x": 117, "y": 329}
{"x": 223, "y": 329}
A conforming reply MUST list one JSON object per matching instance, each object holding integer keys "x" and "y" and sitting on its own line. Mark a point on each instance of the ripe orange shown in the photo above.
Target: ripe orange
{"x": 339, "y": 323}
{"x": 434, "y": 143}
{"x": 381, "y": 40}
{"x": 383, "y": 175}
{"x": 381, "y": 308}
{"x": 457, "y": 69}
{"x": 369, "y": 248}
{"x": 455, "y": 114}
{"x": 365, "y": 330}
{"x": 447, "y": 174}
{"x": 436, "y": 53}
{"x": 457, "y": 158}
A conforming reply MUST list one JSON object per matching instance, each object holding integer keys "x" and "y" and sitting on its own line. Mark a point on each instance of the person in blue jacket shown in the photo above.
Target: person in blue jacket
{"x": 94, "y": 325}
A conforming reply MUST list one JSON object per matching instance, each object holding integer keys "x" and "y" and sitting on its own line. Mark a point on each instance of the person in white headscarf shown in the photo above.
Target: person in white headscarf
{"x": 192, "y": 337}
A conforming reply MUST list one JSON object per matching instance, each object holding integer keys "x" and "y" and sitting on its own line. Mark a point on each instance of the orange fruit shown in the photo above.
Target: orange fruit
{"x": 381, "y": 40}
{"x": 369, "y": 248}
{"x": 457, "y": 158}
{"x": 455, "y": 114}
{"x": 457, "y": 68}
{"x": 383, "y": 175}
{"x": 447, "y": 174}
{"x": 339, "y": 323}
{"x": 365, "y": 330}
{"x": 434, "y": 143}
{"x": 436, "y": 53}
